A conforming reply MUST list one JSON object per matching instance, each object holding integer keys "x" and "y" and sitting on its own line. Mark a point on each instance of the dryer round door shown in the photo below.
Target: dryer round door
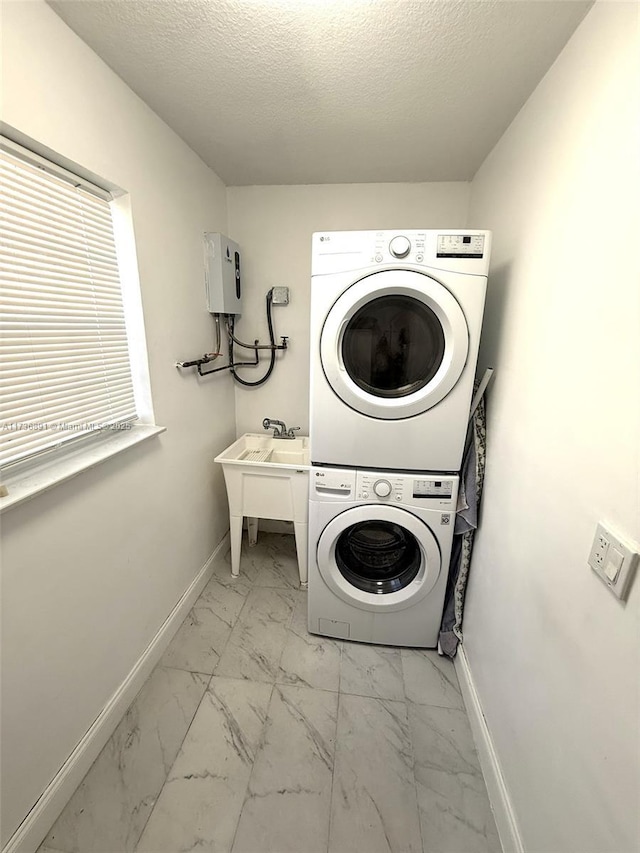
{"x": 394, "y": 344}
{"x": 378, "y": 557}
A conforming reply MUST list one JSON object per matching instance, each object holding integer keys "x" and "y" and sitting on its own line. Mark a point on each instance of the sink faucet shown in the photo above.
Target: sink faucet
{"x": 279, "y": 428}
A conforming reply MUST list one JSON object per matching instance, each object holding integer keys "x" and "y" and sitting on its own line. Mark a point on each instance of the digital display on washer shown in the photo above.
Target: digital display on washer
{"x": 432, "y": 488}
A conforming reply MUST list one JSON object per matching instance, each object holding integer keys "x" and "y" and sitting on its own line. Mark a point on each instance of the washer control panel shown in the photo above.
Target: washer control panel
{"x": 426, "y": 491}
{"x": 429, "y": 492}
{"x": 432, "y": 488}
{"x": 380, "y": 487}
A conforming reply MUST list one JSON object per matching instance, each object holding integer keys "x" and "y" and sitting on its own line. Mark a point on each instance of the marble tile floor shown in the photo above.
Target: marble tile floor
{"x": 253, "y": 736}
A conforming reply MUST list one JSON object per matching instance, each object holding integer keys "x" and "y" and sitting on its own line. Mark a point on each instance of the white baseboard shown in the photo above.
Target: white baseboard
{"x": 31, "y": 832}
{"x": 496, "y": 788}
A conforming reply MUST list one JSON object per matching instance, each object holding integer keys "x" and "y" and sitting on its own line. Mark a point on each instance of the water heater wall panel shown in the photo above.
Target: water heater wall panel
{"x": 223, "y": 282}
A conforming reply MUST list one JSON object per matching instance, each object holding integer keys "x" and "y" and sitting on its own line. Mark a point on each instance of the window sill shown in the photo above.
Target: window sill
{"x": 37, "y": 477}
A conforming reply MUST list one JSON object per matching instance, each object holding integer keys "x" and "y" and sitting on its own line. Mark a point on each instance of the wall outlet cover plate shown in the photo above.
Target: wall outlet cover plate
{"x": 614, "y": 559}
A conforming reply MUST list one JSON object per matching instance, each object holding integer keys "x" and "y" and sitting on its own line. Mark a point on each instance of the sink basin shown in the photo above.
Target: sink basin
{"x": 289, "y": 457}
{"x": 257, "y": 449}
{"x": 267, "y": 477}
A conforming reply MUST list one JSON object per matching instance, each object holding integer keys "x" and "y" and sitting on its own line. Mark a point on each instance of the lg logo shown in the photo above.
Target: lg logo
{"x": 323, "y": 238}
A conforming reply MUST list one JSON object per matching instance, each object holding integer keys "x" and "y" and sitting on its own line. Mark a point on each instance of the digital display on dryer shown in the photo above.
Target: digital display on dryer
{"x": 460, "y": 246}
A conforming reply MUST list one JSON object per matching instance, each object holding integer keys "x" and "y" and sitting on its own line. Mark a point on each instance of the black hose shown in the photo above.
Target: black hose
{"x": 272, "y": 341}
{"x": 200, "y": 362}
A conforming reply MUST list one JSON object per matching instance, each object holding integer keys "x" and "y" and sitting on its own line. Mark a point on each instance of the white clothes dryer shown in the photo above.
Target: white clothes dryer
{"x": 379, "y": 551}
{"x": 395, "y": 329}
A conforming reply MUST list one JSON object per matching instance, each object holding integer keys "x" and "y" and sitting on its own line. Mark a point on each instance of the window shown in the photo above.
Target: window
{"x": 64, "y": 353}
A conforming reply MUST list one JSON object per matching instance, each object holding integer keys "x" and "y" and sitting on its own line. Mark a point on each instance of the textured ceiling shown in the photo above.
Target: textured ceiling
{"x": 331, "y": 91}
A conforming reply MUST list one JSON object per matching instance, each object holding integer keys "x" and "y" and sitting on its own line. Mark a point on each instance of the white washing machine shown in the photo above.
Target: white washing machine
{"x": 395, "y": 330}
{"x": 379, "y": 550}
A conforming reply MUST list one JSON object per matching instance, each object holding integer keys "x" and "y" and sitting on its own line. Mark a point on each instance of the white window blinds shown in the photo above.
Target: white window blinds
{"x": 64, "y": 357}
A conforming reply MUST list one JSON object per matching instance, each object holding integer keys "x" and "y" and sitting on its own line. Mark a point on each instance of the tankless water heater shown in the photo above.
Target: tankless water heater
{"x": 223, "y": 283}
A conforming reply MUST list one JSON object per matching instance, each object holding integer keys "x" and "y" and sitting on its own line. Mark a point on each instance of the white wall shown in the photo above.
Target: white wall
{"x": 554, "y": 656}
{"x": 273, "y": 226}
{"x": 92, "y": 568}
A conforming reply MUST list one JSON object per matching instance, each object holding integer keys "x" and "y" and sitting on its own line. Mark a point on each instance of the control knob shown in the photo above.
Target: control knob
{"x": 400, "y": 247}
{"x": 382, "y": 488}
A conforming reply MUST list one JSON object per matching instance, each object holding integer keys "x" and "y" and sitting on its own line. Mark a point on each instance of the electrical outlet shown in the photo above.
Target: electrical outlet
{"x": 614, "y": 559}
{"x": 601, "y": 548}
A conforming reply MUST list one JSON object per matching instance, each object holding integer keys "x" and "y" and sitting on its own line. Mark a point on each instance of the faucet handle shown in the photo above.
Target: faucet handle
{"x": 292, "y": 431}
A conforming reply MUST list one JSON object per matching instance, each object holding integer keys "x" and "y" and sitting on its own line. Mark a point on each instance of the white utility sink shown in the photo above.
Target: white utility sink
{"x": 267, "y": 477}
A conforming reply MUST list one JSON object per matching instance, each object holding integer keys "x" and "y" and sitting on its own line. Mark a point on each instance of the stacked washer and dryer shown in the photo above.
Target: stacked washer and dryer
{"x": 395, "y": 330}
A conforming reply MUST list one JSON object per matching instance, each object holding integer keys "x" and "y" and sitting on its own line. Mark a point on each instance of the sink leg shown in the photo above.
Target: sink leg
{"x": 302, "y": 536}
{"x": 235, "y": 524}
{"x": 252, "y": 525}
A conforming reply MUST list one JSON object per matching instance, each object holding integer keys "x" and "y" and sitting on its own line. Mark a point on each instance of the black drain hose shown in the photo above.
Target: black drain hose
{"x": 273, "y": 349}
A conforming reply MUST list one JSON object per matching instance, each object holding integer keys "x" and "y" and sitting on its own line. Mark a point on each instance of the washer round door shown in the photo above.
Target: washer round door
{"x": 394, "y": 344}
{"x": 378, "y": 557}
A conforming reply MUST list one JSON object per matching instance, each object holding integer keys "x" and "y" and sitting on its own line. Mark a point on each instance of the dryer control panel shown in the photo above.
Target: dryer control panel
{"x": 459, "y": 250}
{"x": 460, "y": 246}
